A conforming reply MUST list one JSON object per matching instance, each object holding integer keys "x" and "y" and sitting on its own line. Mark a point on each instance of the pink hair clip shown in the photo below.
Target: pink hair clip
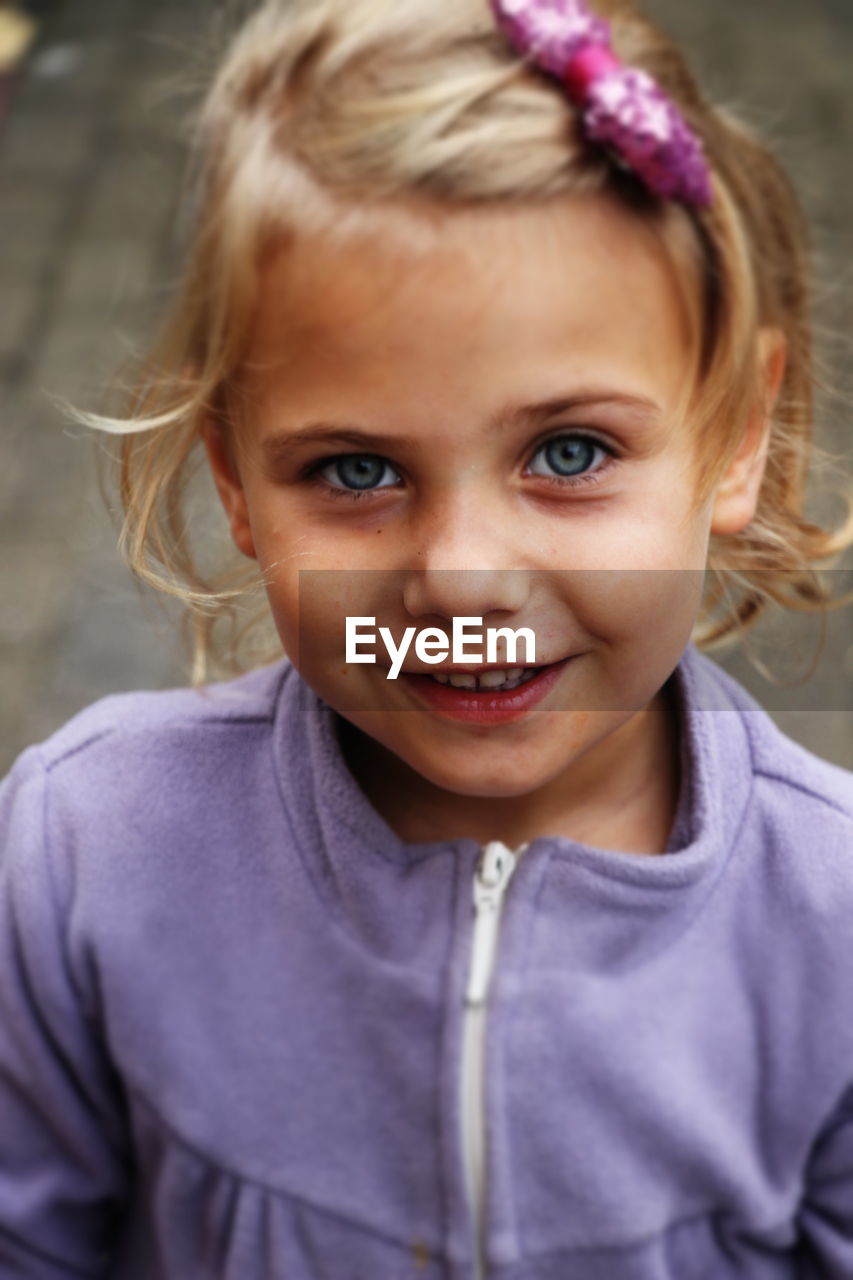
{"x": 623, "y": 108}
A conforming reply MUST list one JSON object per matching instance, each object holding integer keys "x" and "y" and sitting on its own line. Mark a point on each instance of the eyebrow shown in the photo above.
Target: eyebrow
{"x": 278, "y": 446}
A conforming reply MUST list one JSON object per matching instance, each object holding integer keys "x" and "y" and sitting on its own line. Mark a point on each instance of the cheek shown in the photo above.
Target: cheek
{"x": 638, "y": 611}
{"x": 311, "y": 607}
{"x": 649, "y": 530}
{"x": 637, "y": 624}
{"x": 284, "y": 607}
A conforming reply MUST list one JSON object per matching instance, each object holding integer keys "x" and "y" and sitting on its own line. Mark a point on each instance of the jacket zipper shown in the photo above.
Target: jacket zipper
{"x": 491, "y": 877}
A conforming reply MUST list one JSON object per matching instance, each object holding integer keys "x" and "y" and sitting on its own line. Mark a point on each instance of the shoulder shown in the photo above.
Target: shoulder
{"x": 798, "y": 827}
{"x": 143, "y": 753}
{"x": 143, "y": 798}
{"x": 146, "y": 719}
{"x": 150, "y": 733}
{"x": 798, "y": 779}
{"x": 804, "y": 811}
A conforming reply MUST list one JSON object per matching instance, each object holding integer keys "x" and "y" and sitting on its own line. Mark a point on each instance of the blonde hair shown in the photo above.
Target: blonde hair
{"x": 337, "y": 115}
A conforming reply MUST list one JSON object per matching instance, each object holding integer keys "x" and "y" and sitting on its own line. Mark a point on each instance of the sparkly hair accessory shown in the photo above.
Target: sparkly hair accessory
{"x": 623, "y": 108}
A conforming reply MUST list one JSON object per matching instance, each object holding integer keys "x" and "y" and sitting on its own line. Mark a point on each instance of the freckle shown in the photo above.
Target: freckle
{"x": 344, "y": 670}
{"x": 378, "y": 530}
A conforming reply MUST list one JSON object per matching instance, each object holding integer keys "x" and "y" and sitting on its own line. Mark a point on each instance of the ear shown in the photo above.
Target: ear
{"x": 736, "y": 497}
{"x": 226, "y": 477}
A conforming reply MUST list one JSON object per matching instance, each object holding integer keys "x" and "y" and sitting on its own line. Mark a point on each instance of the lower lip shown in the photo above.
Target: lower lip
{"x": 485, "y": 706}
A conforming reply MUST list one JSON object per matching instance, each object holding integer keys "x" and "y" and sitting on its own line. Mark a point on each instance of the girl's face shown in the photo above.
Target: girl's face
{"x": 490, "y": 427}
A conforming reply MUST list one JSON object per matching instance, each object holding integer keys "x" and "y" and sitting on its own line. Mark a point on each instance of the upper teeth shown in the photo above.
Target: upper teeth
{"x": 487, "y": 680}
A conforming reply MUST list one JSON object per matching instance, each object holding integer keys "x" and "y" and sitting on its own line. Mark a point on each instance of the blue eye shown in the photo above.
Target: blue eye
{"x": 567, "y": 456}
{"x": 359, "y": 472}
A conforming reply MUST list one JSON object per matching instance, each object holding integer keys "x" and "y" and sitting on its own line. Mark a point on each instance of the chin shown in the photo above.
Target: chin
{"x": 483, "y": 782}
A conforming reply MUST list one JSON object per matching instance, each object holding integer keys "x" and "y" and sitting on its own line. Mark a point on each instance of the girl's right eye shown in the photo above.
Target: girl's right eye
{"x": 352, "y": 474}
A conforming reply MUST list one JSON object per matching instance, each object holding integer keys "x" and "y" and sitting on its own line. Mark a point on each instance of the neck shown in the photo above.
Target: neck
{"x": 620, "y": 795}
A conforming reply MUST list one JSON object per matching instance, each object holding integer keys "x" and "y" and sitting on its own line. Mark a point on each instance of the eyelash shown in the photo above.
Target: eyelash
{"x": 572, "y": 482}
{"x": 585, "y": 477}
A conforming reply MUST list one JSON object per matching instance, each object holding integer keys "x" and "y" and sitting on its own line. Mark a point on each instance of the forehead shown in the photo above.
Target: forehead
{"x": 468, "y": 303}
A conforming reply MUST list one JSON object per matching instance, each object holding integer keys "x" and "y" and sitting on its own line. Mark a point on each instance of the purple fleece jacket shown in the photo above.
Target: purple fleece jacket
{"x": 231, "y": 1013}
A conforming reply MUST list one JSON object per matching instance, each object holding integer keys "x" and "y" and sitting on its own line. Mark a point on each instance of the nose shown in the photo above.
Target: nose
{"x": 465, "y": 565}
{"x": 455, "y": 593}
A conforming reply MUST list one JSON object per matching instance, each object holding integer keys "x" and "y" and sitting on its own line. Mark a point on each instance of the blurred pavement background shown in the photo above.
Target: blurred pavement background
{"x": 91, "y": 157}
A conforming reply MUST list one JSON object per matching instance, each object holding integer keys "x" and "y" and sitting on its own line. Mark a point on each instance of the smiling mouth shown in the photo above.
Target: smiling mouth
{"x": 489, "y": 697}
{"x": 493, "y": 681}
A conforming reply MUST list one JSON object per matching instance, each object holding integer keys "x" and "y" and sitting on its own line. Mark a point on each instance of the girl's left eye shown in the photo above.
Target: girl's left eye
{"x": 352, "y": 474}
{"x": 570, "y": 457}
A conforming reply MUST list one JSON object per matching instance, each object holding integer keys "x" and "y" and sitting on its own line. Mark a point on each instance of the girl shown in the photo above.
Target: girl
{"x": 530, "y": 963}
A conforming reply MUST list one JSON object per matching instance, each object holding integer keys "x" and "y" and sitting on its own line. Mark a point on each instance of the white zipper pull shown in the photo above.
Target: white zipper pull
{"x": 494, "y": 871}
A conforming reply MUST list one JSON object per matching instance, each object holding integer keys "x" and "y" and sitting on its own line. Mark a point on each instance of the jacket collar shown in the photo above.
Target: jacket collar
{"x": 376, "y": 884}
